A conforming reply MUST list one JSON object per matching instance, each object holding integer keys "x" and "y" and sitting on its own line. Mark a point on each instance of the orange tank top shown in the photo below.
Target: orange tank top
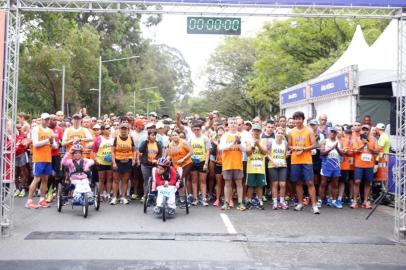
{"x": 76, "y": 133}
{"x": 301, "y": 138}
{"x": 124, "y": 148}
{"x": 348, "y": 159}
{"x": 232, "y": 158}
{"x": 43, "y": 153}
{"x": 177, "y": 152}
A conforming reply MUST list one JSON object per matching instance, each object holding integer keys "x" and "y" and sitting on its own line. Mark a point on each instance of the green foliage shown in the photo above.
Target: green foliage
{"x": 76, "y": 41}
{"x": 246, "y": 75}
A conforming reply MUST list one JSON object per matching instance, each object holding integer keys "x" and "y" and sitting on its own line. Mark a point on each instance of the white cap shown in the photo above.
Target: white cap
{"x": 45, "y": 116}
{"x": 97, "y": 126}
{"x": 160, "y": 125}
{"x": 380, "y": 126}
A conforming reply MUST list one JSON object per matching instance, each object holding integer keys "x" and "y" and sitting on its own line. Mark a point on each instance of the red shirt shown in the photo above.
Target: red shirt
{"x": 20, "y": 147}
{"x": 58, "y": 131}
{"x": 161, "y": 182}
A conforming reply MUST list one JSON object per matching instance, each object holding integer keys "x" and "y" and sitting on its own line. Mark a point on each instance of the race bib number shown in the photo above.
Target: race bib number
{"x": 256, "y": 164}
{"x": 366, "y": 157}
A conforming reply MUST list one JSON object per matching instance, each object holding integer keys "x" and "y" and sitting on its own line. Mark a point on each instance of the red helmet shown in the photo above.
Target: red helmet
{"x": 163, "y": 162}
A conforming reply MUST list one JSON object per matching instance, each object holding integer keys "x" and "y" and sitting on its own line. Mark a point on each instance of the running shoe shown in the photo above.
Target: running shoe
{"x": 216, "y": 203}
{"x": 248, "y": 204}
{"x": 189, "y": 199}
{"x": 354, "y": 205}
{"x": 293, "y": 202}
{"x": 283, "y": 206}
{"x": 330, "y": 202}
{"x": 299, "y": 207}
{"x": 275, "y": 206}
{"x": 22, "y": 193}
{"x": 43, "y": 204}
{"x": 225, "y": 206}
{"x": 113, "y": 201}
{"x": 241, "y": 207}
{"x": 367, "y": 205}
{"x": 182, "y": 205}
{"x": 142, "y": 199}
{"x": 195, "y": 202}
{"x": 231, "y": 204}
{"x": 204, "y": 202}
{"x": 31, "y": 205}
{"x": 17, "y": 193}
{"x": 264, "y": 198}
{"x": 260, "y": 205}
{"x": 319, "y": 203}
{"x": 337, "y": 204}
{"x": 124, "y": 201}
{"x": 316, "y": 210}
{"x": 134, "y": 197}
{"x": 305, "y": 201}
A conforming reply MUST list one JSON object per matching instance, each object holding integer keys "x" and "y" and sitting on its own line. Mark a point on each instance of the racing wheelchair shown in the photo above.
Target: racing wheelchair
{"x": 164, "y": 208}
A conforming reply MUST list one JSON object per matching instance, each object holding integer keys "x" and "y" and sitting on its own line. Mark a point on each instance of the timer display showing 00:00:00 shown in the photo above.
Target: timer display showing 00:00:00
{"x": 228, "y": 25}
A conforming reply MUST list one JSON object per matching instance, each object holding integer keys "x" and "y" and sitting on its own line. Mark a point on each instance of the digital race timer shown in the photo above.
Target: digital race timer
{"x": 208, "y": 25}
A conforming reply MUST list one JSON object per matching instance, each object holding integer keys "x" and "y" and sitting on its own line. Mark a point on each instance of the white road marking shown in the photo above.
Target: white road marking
{"x": 229, "y": 226}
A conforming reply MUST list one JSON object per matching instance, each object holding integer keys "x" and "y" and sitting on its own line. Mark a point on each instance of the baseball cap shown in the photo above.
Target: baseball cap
{"x": 122, "y": 126}
{"x": 380, "y": 126}
{"x": 139, "y": 122}
{"x": 76, "y": 115}
{"x": 150, "y": 125}
{"x": 153, "y": 114}
{"x": 45, "y": 116}
{"x": 365, "y": 126}
{"x": 160, "y": 125}
{"x": 313, "y": 122}
{"x": 97, "y": 126}
{"x": 256, "y": 127}
{"x": 248, "y": 123}
{"x": 333, "y": 129}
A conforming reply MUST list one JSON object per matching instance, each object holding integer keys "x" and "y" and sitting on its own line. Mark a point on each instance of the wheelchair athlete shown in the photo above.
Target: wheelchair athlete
{"x": 164, "y": 176}
{"x": 79, "y": 171}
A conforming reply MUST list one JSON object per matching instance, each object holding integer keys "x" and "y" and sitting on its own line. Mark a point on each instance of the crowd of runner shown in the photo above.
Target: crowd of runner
{"x": 227, "y": 162}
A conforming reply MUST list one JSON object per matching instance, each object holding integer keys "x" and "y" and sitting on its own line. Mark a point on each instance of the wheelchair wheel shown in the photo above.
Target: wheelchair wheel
{"x": 186, "y": 196}
{"x": 96, "y": 197}
{"x": 59, "y": 197}
{"x": 147, "y": 196}
{"x": 85, "y": 207}
{"x": 164, "y": 210}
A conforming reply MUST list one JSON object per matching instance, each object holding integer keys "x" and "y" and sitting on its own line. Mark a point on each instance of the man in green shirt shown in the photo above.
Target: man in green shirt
{"x": 384, "y": 141}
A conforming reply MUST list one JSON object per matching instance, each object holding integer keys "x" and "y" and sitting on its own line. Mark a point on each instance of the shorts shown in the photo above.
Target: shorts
{"x": 56, "y": 166}
{"x": 124, "y": 166}
{"x": 104, "y": 167}
{"x": 346, "y": 176}
{"x": 218, "y": 169}
{"x": 21, "y": 160}
{"x": 366, "y": 174}
{"x": 316, "y": 160}
{"x": 233, "y": 174}
{"x": 255, "y": 180}
{"x": 330, "y": 173}
{"x": 278, "y": 174}
{"x": 198, "y": 167}
{"x": 301, "y": 172}
{"x": 41, "y": 168}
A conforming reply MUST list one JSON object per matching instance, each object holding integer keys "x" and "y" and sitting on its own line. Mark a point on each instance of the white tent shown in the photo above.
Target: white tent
{"x": 356, "y": 52}
{"x": 380, "y": 64}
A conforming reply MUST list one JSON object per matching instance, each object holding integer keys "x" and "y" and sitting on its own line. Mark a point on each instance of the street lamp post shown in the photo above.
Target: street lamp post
{"x": 100, "y": 75}
{"x": 63, "y": 86}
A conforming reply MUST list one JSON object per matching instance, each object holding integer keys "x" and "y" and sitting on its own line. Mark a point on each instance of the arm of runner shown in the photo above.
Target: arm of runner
{"x": 113, "y": 154}
{"x": 262, "y": 147}
{"x": 248, "y": 147}
{"x": 312, "y": 141}
{"x": 35, "y": 141}
{"x": 323, "y": 150}
{"x": 178, "y": 122}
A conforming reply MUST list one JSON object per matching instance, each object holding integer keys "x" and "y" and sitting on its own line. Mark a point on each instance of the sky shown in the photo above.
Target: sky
{"x": 196, "y": 48}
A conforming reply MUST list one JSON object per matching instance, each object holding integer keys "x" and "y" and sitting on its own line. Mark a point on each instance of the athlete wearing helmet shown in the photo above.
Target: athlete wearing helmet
{"x": 165, "y": 177}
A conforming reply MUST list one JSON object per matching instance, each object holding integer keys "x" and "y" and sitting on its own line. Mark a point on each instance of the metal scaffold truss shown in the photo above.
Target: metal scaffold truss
{"x": 400, "y": 169}
{"x": 8, "y": 120}
{"x": 223, "y": 9}
{"x": 14, "y": 8}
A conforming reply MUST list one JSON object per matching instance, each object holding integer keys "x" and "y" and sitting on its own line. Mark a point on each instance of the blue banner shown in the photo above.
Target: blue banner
{"x": 340, "y": 3}
{"x": 330, "y": 86}
{"x": 293, "y": 96}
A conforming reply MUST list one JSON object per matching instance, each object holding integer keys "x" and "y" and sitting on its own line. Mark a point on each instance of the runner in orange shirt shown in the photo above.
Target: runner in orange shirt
{"x": 302, "y": 141}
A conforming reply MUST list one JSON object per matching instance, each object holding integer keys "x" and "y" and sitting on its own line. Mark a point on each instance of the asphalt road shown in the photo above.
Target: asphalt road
{"x": 123, "y": 237}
